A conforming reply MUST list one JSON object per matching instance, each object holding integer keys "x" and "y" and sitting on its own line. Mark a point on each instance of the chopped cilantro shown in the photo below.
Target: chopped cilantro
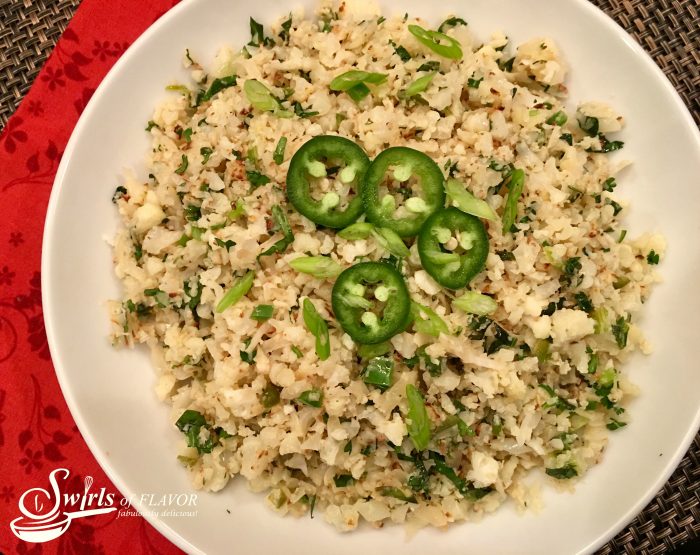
{"x": 286, "y": 27}
{"x": 184, "y": 162}
{"x": 563, "y": 473}
{"x": 450, "y": 22}
{"x": 343, "y": 480}
{"x": 589, "y": 125}
{"x": 193, "y": 212}
{"x": 609, "y": 184}
{"x": 432, "y": 65}
{"x": 474, "y": 83}
{"x": 620, "y": 329}
{"x": 119, "y": 193}
{"x": 257, "y": 35}
{"x": 302, "y": 112}
{"x": 256, "y": 178}
{"x": 217, "y": 85}
{"x": 506, "y": 255}
{"x": 206, "y": 153}
{"x": 400, "y": 51}
{"x": 506, "y": 65}
{"x": 615, "y": 424}
{"x": 583, "y": 301}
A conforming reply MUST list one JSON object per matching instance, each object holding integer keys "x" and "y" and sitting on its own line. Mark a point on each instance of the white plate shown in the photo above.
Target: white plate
{"x": 110, "y": 392}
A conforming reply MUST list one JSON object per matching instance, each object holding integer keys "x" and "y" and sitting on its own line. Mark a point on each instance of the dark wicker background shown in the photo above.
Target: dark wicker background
{"x": 668, "y": 29}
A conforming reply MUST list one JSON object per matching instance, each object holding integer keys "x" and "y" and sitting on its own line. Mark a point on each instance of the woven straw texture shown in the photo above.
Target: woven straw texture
{"x": 668, "y": 29}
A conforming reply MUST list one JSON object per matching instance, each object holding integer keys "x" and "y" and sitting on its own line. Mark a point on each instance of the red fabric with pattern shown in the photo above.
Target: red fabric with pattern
{"x": 37, "y": 432}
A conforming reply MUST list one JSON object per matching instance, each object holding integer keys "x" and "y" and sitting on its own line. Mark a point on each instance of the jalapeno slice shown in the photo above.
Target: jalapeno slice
{"x": 370, "y": 301}
{"x": 453, "y": 247}
{"x": 311, "y": 164}
{"x": 415, "y": 181}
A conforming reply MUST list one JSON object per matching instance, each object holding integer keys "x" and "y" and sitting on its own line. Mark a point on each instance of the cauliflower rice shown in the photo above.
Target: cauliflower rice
{"x": 535, "y": 385}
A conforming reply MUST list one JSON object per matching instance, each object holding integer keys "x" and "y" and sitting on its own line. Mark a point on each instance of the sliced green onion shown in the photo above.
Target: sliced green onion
{"x": 450, "y": 422}
{"x": 182, "y": 89}
{"x": 161, "y": 297}
{"x": 349, "y": 79}
{"x": 237, "y": 292}
{"x": 262, "y": 312}
{"x": 321, "y": 267}
{"x": 318, "y": 328}
{"x": 620, "y": 282}
{"x": 431, "y": 325}
{"x": 441, "y": 44}
{"x": 359, "y": 230}
{"x": 475, "y": 303}
{"x": 278, "y": 156}
{"x": 371, "y": 351}
{"x": 270, "y": 396}
{"x": 389, "y": 240}
{"x": 379, "y": 372}
{"x": 516, "y": 181}
{"x": 280, "y": 218}
{"x": 197, "y": 233}
{"x": 593, "y": 361}
{"x": 541, "y": 350}
{"x": 358, "y": 92}
{"x": 261, "y": 98}
{"x": 238, "y": 211}
{"x": 467, "y": 202}
{"x": 418, "y": 86}
{"x": 418, "y": 424}
{"x": 311, "y": 397}
{"x": 607, "y": 379}
{"x": 557, "y": 118}
{"x": 217, "y": 85}
{"x": 600, "y": 316}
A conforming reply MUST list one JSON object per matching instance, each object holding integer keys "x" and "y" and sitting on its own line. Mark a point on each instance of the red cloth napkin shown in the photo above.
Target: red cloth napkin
{"x": 37, "y": 432}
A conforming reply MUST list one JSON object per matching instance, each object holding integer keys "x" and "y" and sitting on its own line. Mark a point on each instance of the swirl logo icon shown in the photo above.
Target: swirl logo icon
{"x": 43, "y": 516}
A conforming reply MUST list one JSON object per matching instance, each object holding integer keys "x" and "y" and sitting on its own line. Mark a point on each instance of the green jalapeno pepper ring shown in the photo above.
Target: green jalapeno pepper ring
{"x": 451, "y": 269}
{"x": 308, "y": 162}
{"x": 407, "y": 163}
{"x": 353, "y": 310}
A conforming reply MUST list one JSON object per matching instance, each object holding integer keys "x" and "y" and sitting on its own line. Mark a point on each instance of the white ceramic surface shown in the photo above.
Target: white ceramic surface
{"x": 110, "y": 392}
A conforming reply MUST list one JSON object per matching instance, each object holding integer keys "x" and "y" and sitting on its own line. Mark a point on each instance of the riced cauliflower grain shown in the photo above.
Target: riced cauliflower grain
{"x": 533, "y": 385}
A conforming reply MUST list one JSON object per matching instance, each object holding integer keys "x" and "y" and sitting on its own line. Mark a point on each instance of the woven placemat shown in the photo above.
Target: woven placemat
{"x": 668, "y": 29}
